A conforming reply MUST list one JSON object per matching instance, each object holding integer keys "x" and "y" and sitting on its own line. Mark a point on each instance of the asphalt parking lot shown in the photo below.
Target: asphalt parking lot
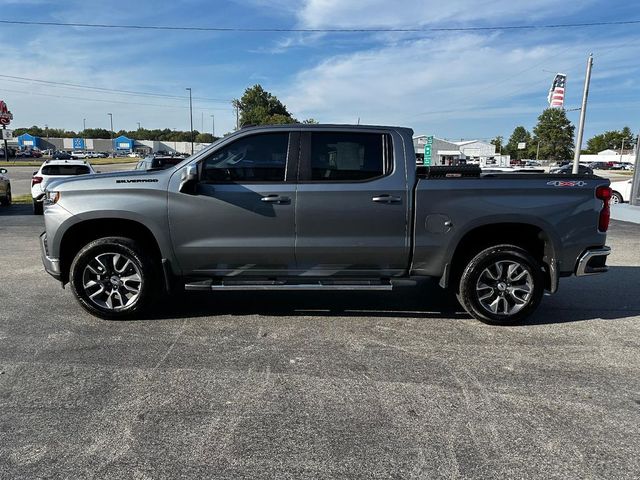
{"x": 322, "y": 385}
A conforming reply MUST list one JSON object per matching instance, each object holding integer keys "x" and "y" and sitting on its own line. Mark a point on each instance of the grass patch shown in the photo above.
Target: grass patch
{"x": 92, "y": 161}
{"x": 25, "y": 199}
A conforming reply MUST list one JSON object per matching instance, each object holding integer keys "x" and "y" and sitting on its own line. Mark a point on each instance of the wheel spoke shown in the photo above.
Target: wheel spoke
{"x": 112, "y": 280}
{"x": 504, "y": 287}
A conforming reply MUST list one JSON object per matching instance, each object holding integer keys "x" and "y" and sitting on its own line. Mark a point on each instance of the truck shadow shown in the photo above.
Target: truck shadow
{"x": 579, "y": 299}
{"x": 16, "y": 209}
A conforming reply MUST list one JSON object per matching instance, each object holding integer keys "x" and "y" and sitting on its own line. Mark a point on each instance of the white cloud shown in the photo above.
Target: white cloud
{"x": 385, "y": 13}
{"x": 431, "y": 83}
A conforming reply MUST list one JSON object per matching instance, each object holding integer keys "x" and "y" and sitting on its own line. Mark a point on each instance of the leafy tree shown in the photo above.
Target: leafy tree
{"x": 205, "y": 138}
{"x": 554, "y": 131}
{"x": 519, "y": 135}
{"x": 310, "y": 121}
{"x": 259, "y": 107}
{"x": 498, "y": 143}
{"x": 612, "y": 139}
{"x": 95, "y": 133}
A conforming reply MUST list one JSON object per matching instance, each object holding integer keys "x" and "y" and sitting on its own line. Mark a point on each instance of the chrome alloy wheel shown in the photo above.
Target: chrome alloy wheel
{"x": 505, "y": 287}
{"x": 112, "y": 281}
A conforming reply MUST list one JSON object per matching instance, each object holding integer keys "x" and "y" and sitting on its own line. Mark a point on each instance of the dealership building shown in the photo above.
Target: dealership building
{"x": 122, "y": 145}
{"x": 446, "y": 152}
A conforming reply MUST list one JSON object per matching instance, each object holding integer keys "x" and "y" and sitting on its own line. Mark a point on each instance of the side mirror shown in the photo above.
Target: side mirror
{"x": 3, "y": 171}
{"x": 189, "y": 180}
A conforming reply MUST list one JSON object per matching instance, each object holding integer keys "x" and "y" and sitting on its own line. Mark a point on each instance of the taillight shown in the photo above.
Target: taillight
{"x": 604, "y": 194}
{"x": 36, "y": 180}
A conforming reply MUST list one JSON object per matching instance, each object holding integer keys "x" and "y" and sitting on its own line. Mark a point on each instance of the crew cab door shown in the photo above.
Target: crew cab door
{"x": 352, "y": 215}
{"x": 240, "y": 219}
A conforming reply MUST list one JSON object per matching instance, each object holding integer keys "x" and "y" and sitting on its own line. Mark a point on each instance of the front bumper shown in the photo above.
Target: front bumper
{"x": 51, "y": 265}
{"x": 593, "y": 261}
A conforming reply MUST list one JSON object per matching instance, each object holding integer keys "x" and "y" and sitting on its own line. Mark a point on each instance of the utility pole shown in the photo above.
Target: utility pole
{"x": 202, "y": 122}
{"x": 635, "y": 183}
{"x": 622, "y": 149}
{"x": 191, "y": 118}
{"x": 84, "y": 124}
{"x": 583, "y": 114}
{"x": 237, "y": 118}
{"x": 138, "y": 125}
{"x": 538, "y": 151}
{"x": 213, "y": 126}
{"x": 113, "y": 148}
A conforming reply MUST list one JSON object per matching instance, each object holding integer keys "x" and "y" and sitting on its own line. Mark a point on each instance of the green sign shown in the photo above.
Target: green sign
{"x": 427, "y": 151}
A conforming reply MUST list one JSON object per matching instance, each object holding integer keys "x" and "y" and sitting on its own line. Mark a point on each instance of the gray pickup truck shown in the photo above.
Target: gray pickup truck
{"x": 322, "y": 207}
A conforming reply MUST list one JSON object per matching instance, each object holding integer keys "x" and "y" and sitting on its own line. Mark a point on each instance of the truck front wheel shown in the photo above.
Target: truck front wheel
{"x": 502, "y": 284}
{"x": 114, "y": 278}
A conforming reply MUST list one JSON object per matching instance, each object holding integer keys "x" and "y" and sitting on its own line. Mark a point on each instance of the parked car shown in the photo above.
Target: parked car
{"x": 629, "y": 167}
{"x": 54, "y": 170}
{"x": 5, "y": 188}
{"x": 92, "y": 155}
{"x": 61, "y": 155}
{"x": 567, "y": 169}
{"x": 322, "y": 207}
{"x": 10, "y": 151}
{"x": 621, "y": 191}
{"x": 78, "y": 154}
{"x": 153, "y": 162}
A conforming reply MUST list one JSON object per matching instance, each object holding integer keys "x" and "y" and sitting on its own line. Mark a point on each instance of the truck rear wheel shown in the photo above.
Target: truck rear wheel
{"x": 502, "y": 284}
{"x": 114, "y": 278}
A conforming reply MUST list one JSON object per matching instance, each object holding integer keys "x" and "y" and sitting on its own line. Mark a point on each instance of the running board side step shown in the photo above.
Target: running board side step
{"x": 209, "y": 285}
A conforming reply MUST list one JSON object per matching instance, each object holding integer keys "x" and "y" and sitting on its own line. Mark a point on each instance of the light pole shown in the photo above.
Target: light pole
{"x": 191, "y": 118}
{"x": 138, "y": 125}
{"x": 84, "y": 124}
{"x": 113, "y": 149}
{"x": 213, "y": 126}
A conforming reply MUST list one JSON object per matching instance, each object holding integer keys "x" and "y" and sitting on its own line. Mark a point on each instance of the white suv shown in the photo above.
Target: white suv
{"x": 54, "y": 170}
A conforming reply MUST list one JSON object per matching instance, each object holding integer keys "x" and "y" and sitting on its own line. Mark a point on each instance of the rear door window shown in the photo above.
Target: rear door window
{"x": 349, "y": 156}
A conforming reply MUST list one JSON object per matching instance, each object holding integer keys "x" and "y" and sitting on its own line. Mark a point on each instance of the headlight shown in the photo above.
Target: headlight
{"x": 51, "y": 197}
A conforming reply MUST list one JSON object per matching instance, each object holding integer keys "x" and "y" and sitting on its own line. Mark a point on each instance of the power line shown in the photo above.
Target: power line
{"x": 321, "y": 30}
{"x": 109, "y": 90}
{"x": 107, "y": 101}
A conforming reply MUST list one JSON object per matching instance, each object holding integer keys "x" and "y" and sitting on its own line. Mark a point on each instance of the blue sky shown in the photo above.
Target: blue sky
{"x": 453, "y": 85}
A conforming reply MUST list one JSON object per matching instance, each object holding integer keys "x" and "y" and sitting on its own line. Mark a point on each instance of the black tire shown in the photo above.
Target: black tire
{"x": 6, "y": 201}
{"x": 475, "y": 293}
{"x": 616, "y": 197}
{"x": 142, "y": 264}
{"x": 38, "y": 208}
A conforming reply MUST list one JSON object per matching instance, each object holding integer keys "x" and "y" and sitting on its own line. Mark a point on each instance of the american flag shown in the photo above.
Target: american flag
{"x": 556, "y": 92}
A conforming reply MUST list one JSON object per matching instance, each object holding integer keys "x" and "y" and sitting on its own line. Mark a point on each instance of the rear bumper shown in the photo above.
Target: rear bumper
{"x": 593, "y": 261}
{"x": 51, "y": 265}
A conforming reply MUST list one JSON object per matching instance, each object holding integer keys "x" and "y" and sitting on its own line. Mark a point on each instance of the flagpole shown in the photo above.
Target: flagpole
{"x": 583, "y": 114}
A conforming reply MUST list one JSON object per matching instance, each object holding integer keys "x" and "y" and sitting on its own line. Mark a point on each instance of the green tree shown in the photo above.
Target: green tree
{"x": 259, "y": 107}
{"x": 95, "y": 133}
{"x": 498, "y": 143}
{"x": 205, "y": 138}
{"x": 310, "y": 121}
{"x": 519, "y": 135}
{"x": 612, "y": 139}
{"x": 554, "y": 131}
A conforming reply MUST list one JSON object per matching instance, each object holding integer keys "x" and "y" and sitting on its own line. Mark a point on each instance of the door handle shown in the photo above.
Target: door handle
{"x": 275, "y": 199}
{"x": 386, "y": 198}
